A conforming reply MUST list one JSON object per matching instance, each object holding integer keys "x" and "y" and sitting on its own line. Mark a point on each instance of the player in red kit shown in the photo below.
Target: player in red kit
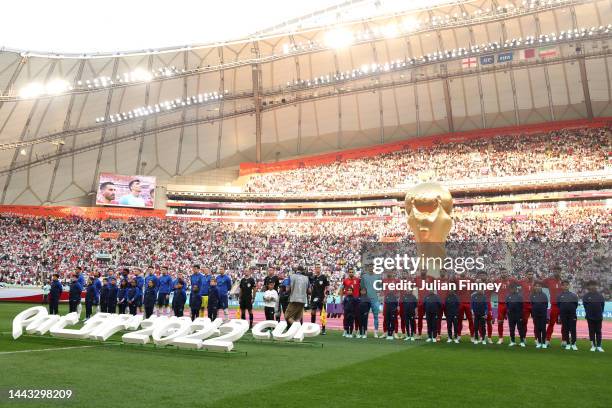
{"x": 527, "y": 285}
{"x": 502, "y": 309}
{"x": 465, "y": 308}
{"x": 421, "y": 296}
{"x": 351, "y": 281}
{"x": 553, "y": 284}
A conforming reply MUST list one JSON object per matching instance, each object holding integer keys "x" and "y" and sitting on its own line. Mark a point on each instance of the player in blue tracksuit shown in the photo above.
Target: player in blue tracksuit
{"x": 150, "y": 296}
{"x": 594, "y": 303}
{"x": 567, "y": 303}
{"x": 163, "y": 290}
{"x": 195, "y": 279}
{"x": 451, "y": 310}
{"x": 432, "y": 304}
{"x": 195, "y": 302}
{"x": 390, "y": 310}
{"x": 539, "y": 307}
{"x": 74, "y": 296}
{"x": 514, "y": 310}
{"x": 90, "y": 297}
{"x": 80, "y": 276}
{"x": 365, "y": 303}
{"x": 151, "y": 277}
{"x": 179, "y": 298}
{"x": 205, "y": 284}
{"x": 112, "y": 296}
{"x": 348, "y": 303}
{"x": 213, "y": 299}
{"x": 134, "y": 296}
{"x": 122, "y": 296}
{"x": 97, "y": 289}
{"x": 224, "y": 285}
{"x": 409, "y": 306}
{"x": 480, "y": 307}
{"x": 140, "y": 283}
{"x": 55, "y": 294}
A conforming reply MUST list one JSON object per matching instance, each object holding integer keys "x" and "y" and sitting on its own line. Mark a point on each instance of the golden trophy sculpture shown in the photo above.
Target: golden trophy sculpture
{"x": 428, "y": 206}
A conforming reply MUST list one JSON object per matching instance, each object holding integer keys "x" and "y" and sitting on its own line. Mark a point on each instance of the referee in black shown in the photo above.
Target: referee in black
{"x": 318, "y": 289}
{"x": 247, "y": 296}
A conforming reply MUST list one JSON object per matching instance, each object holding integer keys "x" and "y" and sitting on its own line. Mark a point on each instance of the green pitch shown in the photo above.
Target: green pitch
{"x": 342, "y": 372}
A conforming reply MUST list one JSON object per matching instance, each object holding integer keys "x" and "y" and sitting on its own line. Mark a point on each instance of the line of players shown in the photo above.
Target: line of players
{"x": 518, "y": 300}
{"x": 156, "y": 292}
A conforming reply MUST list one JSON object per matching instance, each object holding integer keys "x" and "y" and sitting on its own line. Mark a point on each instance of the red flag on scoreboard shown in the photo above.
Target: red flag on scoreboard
{"x": 529, "y": 53}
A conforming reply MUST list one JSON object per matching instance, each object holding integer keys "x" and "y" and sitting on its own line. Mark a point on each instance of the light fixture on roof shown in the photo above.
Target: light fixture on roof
{"x": 338, "y": 38}
{"x": 32, "y": 90}
{"x": 57, "y": 86}
{"x": 140, "y": 74}
{"x": 390, "y": 31}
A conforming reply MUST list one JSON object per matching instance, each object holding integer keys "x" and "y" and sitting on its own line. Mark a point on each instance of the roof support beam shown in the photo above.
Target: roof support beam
{"x": 447, "y": 100}
{"x": 585, "y": 87}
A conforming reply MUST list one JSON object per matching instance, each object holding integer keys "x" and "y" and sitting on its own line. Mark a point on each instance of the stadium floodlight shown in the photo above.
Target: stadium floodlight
{"x": 140, "y": 74}
{"x": 338, "y": 38}
{"x": 57, "y": 86}
{"x": 410, "y": 24}
{"x": 32, "y": 90}
{"x": 390, "y": 31}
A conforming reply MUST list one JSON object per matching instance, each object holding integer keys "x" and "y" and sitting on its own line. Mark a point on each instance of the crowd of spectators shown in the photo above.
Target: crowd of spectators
{"x": 31, "y": 248}
{"x": 574, "y": 150}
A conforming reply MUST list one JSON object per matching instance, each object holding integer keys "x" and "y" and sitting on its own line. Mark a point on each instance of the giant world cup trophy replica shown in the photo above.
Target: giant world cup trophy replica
{"x": 429, "y": 206}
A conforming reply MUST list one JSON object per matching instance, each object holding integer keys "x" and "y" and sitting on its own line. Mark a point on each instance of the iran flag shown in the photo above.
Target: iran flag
{"x": 468, "y": 62}
{"x": 547, "y": 52}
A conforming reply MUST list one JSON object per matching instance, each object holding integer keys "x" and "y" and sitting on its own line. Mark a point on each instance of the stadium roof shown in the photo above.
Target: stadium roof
{"x": 358, "y": 73}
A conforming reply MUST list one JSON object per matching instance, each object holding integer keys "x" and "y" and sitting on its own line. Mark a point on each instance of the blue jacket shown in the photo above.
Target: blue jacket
{"x": 90, "y": 294}
{"x": 432, "y": 304}
{"x": 112, "y": 296}
{"x": 391, "y": 301}
{"x": 97, "y": 289}
{"x": 179, "y": 298}
{"x": 165, "y": 284}
{"x": 195, "y": 300}
{"x": 151, "y": 278}
{"x": 75, "y": 291}
{"x": 196, "y": 279}
{"x": 224, "y": 284}
{"x": 81, "y": 280}
{"x": 514, "y": 305}
{"x": 409, "y": 302}
{"x": 348, "y": 303}
{"x": 150, "y": 296}
{"x": 213, "y": 298}
{"x": 479, "y": 304}
{"x": 183, "y": 289}
{"x": 122, "y": 295}
{"x": 593, "y": 303}
{"x": 539, "y": 304}
{"x": 365, "y": 303}
{"x": 140, "y": 282}
{"x": 104, "y": 295}
{"x": 133, "y": 293}
{"x": 451, "y": 305}
{"x": 56, "y": 291}
{"x": 567, "y": 302}
{"x": 205, "y": 284}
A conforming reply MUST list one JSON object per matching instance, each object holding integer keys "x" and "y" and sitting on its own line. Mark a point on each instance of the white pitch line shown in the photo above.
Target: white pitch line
{"x": 45, "y": 349}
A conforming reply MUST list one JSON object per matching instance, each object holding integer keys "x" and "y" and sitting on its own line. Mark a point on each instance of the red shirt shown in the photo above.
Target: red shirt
{"x": 443, "y": 293}
{"x": 554, "y": 289}
{"x": 504, "y": 290}
{"x": 350, "y": 283}
{"x": 465, "y": 295}
{"x": 527, "y": 286}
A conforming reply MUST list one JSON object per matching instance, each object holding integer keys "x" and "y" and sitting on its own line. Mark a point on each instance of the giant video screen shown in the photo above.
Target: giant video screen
{"x": 126, "y": 191}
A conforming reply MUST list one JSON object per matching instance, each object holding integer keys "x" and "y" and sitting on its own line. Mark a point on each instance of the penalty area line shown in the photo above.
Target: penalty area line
{"x": 45, "y": 349}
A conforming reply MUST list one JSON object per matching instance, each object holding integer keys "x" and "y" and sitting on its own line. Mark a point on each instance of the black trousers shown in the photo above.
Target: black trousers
{"x": 595, "y": 332}
{"x": 516, "y": 323}
{"x": 53, "y": 306}
{"x": 122, "y": 308}
{"x": 349, "y": 322}
{"x": 410, "y": 325}
{"x": 540, "y": 328}
{"x": 432, "y": 325}
{"x": 73, "y": 304}
{"x": 149, "y": 311}
{"x": 269, "y": 312}
{"x": 111, "y": 308}
{"x": 480, "y": 323}
{"x": 568, "y": 328}
{"x": 195, "y": 313}
{"x": 88, "y": 309}
{"x": 178, "y": 310}
{"x": 132, "y": 306}
{"x": 452, "y": 326}
{"x": 390, "y": 316}
{"x": 104, "y": 308}
{"x": 363, "y": 323}
{"x": 212, "y": 313}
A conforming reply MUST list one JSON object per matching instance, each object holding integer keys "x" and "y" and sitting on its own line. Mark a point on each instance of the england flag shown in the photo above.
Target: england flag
{"x": 468, "y": 62}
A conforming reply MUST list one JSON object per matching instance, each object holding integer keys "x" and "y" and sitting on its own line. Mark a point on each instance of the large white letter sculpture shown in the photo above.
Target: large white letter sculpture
{"x": 180, "y": 332}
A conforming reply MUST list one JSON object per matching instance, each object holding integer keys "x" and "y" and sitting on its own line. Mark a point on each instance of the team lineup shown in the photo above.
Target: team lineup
{"x": 404, "y": 305}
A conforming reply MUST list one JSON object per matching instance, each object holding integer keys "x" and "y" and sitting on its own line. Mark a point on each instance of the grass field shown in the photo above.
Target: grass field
{"x": 343, "y": 372}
